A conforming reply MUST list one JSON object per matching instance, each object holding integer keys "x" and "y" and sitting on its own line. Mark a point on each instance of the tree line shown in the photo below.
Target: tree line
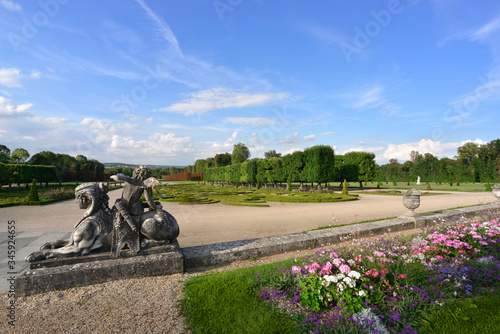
{"x": 319, "y": 164}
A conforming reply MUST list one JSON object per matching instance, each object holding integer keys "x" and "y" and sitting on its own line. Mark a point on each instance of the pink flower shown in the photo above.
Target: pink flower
{"x": 344, "y": 269}
{"x": 358, "y": 258}
{"x": 296, "y": 269}
{"x": 402, "y": 276}
{"x": 439, "y": 257}
{"x": 337, "y": 262}
{"x": 351, "y": 262}
{"x": 372, "y": 273}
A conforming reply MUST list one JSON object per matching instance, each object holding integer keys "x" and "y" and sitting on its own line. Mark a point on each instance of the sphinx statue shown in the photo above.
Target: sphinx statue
{"x": 127, "y": 223}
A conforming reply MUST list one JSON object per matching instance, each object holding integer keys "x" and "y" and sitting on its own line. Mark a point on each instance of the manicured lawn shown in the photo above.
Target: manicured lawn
{"x": 207, "y": 194}
{"x": 446, "y": 280}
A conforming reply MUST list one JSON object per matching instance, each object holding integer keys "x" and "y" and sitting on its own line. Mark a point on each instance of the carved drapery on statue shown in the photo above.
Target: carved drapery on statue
{"x": 131, "y": 223}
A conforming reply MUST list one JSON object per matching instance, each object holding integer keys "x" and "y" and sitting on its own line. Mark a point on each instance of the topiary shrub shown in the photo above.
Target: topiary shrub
{"x": 344, "y": 188}
{"x": 33, "y": 196}
{"x": 428, "y": 187}
{"x": 488, "y": 187}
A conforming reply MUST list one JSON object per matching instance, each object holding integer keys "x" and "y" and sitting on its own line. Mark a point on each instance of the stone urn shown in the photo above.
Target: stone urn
{"x": 411, "y": 199}
{"x": 495, "y": 190}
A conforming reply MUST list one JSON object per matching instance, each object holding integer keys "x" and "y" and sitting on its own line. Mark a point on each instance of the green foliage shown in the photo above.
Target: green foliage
{"x": 33, "y": 196}
{"x": 344, "y": 188}
{"x": 319, "y": 163}
{"x": 272, "y": 154}
{"x": 241, "y": 153}
{"x": 4, "y": 154}
{"x": 488, "y": 187}
{"x": 19, "y": 156}
{"x": 428, "y": 187}
{"x": 475, "y": 315}
{"x": 22, "y": 173}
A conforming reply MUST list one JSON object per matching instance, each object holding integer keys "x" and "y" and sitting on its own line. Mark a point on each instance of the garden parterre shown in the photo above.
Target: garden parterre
{"x": 389, "y": 285}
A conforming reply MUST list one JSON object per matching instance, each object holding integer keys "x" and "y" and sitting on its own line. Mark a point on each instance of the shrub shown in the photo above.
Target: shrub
{"x": 344, "y": 188}
{"x": 428, "y": 187}
{"x": 33, "y": 196}
{"x": 488, "y": 187}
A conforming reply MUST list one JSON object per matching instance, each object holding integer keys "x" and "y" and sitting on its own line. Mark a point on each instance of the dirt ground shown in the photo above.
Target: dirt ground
{"x": 213, "y": 223}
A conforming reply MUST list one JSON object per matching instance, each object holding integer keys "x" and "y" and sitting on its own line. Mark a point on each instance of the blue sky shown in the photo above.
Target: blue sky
{"x": 169, "y": 82}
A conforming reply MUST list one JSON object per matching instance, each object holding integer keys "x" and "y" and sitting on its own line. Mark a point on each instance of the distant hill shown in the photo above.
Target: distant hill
{"x": 120, "y": 164}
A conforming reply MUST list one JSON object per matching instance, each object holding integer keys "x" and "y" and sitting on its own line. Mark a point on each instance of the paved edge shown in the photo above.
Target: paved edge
{"x": 64, "y": 277}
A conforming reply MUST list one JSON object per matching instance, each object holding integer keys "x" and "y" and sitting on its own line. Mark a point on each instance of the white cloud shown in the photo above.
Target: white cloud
{"x": 327, "y": 133}
{"x": 163, "y": 29}
{"x": 157, "y": 145}
{"x": 106, "y": 131}
{"x": 441, "y": 150}
{"x": 11, "y": 77}
{"x": 365, "y": 149}
{"x": 200, "y": 102}
{"x": 50, "y": 121}
{"x": 173, "y": 126}
{"x": 11, "y": 5}
{"x": 149, "y": 120}
{"x": 295, "y": 139}
{"x": 9, "y": 108}
{"x": 486, "y": 30}
{"x": 256, "y": 121}
{"x": 212, "y": 148}
{"x": 369, "y": 98}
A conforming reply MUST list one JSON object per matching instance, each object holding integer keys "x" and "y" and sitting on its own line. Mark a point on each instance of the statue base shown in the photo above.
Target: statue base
{"x": 66, "y": 273}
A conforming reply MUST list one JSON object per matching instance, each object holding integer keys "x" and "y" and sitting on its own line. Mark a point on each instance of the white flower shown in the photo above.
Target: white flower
{"x": 354, "y": 274}
{"x": 362, "y": 293}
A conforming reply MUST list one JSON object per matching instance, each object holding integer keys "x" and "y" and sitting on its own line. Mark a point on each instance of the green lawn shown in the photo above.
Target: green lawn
{"x": 207, "y": 194}
{"x": 434, "y": 186}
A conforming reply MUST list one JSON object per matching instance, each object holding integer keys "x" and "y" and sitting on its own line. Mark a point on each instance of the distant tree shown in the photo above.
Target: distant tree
{"x": 361, "y": 162}
{"x": 293, "y": 165}
{"x": 413, "y": 156}
{"x": 19, "y": 156}
{"x": 222, "y": 159}
{"x": 393, "y": 161}
{"x": 466, "y": 152}
{"x": 4, "y": 154}
{"x": 241, "y": 153}
{"x": 272, "y": 154}
{"x": 319, "y": 164}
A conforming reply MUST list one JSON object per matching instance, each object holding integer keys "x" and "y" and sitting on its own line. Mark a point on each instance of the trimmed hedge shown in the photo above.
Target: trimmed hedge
{"x": 23, "y": 173}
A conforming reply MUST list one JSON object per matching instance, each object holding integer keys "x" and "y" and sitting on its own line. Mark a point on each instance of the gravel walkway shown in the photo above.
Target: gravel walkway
{"x": 139, "y": 305}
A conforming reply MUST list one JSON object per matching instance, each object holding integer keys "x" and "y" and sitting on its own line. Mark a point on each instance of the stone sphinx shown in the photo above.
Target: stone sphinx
{"x": 127, "y": 223}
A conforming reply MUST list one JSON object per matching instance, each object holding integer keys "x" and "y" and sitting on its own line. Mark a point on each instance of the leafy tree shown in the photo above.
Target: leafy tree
{"x": 19, "y": 156}
{"x": 319, "y": 164}
{"x": 293, "y": 165}
{"x": 466, "y": 152}
{"x": 4, "y": 154}
{"x": 241, "y": 153}
{"x": 366, "y": 167}
{"x": 222, "y": 159}
{"x": 272, "y": 154}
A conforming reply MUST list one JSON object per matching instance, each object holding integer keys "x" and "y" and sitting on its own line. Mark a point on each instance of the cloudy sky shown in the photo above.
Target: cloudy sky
{"x": 169, "y": 82}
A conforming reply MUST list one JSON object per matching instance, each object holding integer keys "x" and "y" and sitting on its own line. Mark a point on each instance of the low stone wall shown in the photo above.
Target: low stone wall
{"x": 214, "y": 254}
{"x": 67, "y": 273}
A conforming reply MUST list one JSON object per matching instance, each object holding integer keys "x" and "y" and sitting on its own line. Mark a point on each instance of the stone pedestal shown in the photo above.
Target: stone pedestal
{"x": 61, "y": 274}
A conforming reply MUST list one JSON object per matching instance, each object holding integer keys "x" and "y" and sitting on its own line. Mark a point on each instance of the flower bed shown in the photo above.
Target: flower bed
{"x": 388, "y": 285}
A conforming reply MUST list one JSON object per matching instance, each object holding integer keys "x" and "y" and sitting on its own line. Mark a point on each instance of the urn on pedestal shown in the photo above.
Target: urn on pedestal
{"x": 411, "y": 199}
{"x": 495, "y": 190}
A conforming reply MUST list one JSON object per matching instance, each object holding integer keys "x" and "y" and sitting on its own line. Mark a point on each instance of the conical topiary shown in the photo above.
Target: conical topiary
{"x": 33, "y": 196}
{"x": 488, "y": 187}
{"x": 428, "y": 187}
{"x": 344, "y": 188}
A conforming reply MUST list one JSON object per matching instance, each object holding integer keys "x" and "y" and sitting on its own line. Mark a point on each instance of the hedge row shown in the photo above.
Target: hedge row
{"x": 22, "y": 173}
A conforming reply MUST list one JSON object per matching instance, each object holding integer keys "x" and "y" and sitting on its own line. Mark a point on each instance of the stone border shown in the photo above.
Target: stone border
{"x": 45, "y": 279}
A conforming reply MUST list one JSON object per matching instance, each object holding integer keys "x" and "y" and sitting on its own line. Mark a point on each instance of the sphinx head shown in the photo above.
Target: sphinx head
{"x": 141, "y": 173}
{"x": 90, "y": 193}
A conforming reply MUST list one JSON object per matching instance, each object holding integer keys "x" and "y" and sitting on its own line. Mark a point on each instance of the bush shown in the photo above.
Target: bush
{"x": 33, "y": 196}
{"x": 428, "y": 187}
{"x": 344, "y": 188}
{"x": 488, "y": 187}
